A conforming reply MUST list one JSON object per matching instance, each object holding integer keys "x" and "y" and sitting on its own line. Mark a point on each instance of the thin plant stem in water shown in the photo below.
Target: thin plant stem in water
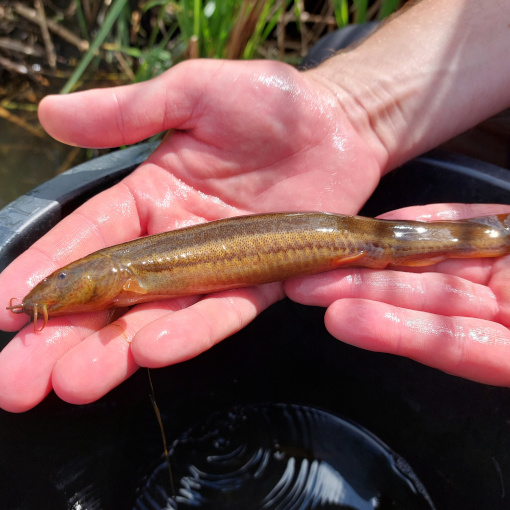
{"x": 163, "y": 435}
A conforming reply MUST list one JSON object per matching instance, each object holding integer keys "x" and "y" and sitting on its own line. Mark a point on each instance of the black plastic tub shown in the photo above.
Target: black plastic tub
{"x": 280, "y": 402}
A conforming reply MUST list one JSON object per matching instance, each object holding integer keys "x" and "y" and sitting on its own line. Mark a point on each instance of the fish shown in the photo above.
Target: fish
{"x": 252, "y": 250}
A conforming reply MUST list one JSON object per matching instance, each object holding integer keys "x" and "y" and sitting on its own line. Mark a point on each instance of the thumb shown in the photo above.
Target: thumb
{"x": 127, "y": 114}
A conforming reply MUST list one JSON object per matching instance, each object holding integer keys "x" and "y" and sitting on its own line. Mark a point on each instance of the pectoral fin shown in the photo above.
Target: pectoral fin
{"x": 132, "y": 285}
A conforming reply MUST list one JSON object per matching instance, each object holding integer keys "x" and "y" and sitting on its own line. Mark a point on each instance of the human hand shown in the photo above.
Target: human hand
{"x": 249, "y": 137}
{"x": 453, "y": 316}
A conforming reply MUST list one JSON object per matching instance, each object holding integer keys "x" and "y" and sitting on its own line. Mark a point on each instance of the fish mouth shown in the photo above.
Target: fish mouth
{"x": 32, "y": 311}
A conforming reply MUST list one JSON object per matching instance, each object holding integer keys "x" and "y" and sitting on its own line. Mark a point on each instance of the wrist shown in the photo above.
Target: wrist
{"x": 382, "y": 106}
{"x": 425, "y": 76}
{"x": 351, "y": 82}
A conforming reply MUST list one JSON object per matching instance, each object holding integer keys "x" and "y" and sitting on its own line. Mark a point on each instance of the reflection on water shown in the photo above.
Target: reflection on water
{"x": 28, "y": 160}
{"x": 282, "y": 457}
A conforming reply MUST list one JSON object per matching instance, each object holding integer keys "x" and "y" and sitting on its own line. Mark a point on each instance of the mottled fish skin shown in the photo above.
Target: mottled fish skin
{"x": 252, "y": 250}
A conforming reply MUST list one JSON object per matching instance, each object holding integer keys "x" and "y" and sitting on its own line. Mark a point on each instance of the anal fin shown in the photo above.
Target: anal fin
{"x": 419, "y": 262}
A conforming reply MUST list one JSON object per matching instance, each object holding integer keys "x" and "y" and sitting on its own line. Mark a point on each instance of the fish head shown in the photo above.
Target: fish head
{"x": 89, "y": 284}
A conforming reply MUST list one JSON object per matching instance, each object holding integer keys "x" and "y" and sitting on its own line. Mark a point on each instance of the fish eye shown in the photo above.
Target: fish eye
{"x": 62, "y": 275}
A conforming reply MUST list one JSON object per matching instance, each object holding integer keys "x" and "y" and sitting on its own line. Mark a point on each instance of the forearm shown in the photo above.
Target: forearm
{"x": 431, "y": 72}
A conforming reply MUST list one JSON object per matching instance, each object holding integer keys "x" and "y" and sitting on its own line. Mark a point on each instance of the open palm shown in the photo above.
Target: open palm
{"x": 453, "y": 316}
{"x": 246, "y": 137}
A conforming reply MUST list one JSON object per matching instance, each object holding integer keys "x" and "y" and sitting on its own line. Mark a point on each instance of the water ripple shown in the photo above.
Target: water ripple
{"x": 282, "y": 457}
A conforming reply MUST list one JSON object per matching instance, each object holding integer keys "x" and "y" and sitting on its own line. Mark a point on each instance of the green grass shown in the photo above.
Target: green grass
{"x": 111, "y": 18}
{"x": 180, "y": 29}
